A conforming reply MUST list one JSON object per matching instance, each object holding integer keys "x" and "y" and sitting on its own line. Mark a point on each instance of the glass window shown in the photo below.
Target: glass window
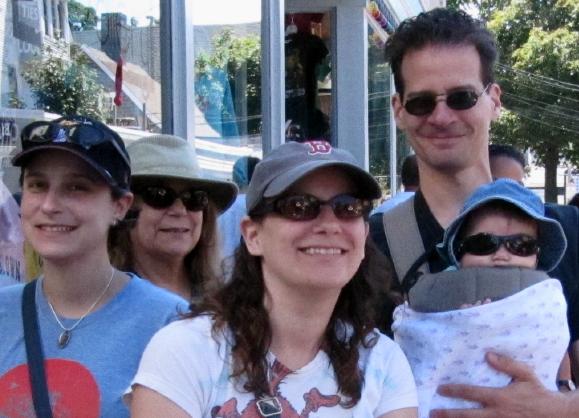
{"x": 308, "y": 76}
{"x": 98, "y": 58}
{"x": 227, "y": 50}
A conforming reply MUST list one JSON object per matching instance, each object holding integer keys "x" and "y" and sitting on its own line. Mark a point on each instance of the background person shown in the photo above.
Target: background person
{"x": 94, "y": 321}
{"x": 170, "y": 236}
{"x": 410, "y": 181}
{"x": 507, "y": 162}
{"x": 292, "y": 330}
{"x": 228, "y": 221}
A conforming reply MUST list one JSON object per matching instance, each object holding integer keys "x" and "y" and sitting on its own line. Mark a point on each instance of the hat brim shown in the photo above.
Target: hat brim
{"x": 551, "y": 234}
{"x": 363, "y": 180}
{"x": 20, "y": 160}
{"x": 221, "y": 193}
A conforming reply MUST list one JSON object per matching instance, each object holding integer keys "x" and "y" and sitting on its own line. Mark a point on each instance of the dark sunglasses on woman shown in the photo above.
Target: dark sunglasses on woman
{"x": 305, "y": 207}
{"x": 161, "y": 197}
{"x": 521, "y": 245}
{"x": 425, "y": 103}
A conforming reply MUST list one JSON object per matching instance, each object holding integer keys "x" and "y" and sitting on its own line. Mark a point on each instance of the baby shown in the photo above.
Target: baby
{"x": 501, "y": 246}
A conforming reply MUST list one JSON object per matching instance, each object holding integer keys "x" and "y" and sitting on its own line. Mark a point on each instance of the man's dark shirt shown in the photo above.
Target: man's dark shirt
{"x": 431, "y": 232}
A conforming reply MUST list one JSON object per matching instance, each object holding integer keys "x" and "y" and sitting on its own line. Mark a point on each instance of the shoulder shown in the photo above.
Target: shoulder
{"x": 567, "y": 215}
{"x": 11, "y": 298}
{"x": 142, "y": 293}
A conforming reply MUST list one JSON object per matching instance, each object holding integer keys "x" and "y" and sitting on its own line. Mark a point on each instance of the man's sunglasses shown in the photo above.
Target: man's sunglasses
{"x": 72, "y": 130}
{"x": 307, "y": 207}
{"x": 424, "y": 104}
{"x": 521, "y": 245}
{"x": 161, "y": 197}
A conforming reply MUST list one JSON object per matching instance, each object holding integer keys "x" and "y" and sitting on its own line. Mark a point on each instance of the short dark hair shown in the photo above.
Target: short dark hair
{"x": 409, "y": 172}
{"x": 441, "y": 27}
{"x": 503, "y": 150}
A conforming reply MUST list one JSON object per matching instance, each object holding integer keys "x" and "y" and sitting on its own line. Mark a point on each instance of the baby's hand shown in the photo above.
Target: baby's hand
{"x": 477, "y": 303}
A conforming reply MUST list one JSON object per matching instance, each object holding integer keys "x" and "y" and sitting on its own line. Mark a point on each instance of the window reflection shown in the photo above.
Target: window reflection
{"x": 307, "y": 76}
{"x": 227, "y": 37}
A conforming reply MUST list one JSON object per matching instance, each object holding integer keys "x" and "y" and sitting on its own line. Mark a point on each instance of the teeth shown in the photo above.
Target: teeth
{"x": 323, "y": 251}
{"x": 56, "y": 228}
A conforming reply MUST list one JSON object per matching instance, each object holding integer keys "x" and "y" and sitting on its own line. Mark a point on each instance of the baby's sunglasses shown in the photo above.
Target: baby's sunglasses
{"x": 305, "y": 207}
{"x": 521, "y": 245}
{"x": 161, "y": 197}
{"x": 462, "y": 99}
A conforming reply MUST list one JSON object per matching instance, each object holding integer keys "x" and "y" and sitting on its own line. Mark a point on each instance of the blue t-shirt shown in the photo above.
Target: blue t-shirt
{"x": 87, "y": 377}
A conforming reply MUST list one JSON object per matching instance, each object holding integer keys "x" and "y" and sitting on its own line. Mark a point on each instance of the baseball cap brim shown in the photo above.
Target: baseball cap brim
{"x": 365, "y": 183}
{"x": 20, "y": 159}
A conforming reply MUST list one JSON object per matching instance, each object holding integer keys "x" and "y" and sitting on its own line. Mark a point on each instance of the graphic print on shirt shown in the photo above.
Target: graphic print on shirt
{"x": 314, "y": 400}
{"x": 73, "y": 391}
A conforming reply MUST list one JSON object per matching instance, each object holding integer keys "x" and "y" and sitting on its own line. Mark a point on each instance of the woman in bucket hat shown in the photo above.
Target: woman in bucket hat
{"x": 169, "y": 236}
{"x": 499, "y": 297}
{"x": 292, "y": 333}
{"x": 71, "y": 340}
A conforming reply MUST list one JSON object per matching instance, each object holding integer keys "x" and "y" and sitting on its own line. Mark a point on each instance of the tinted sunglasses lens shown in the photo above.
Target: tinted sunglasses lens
{"x": 522, "y": 245}
{"x": 461, "y": 100}
{"x": 194, "y": 200}
{"x": 349, "y": 207}
{"x": 479, "y": 244}
{"x": 158, "y": 197}
{"x": 421, "y": 105}
{"x": 298, "y": 208}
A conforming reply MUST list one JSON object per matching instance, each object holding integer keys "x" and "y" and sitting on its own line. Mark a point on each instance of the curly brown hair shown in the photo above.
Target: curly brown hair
{"x": 239, "y": 308}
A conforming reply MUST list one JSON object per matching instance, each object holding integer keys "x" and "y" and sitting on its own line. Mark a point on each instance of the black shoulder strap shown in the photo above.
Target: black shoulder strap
{"x": 34, "y": 353}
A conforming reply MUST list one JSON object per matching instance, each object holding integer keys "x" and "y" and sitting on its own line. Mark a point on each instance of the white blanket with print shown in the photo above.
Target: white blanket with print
{"x": 449, "y": 347}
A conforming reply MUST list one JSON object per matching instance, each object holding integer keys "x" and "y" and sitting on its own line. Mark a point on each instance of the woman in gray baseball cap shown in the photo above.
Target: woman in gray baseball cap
{"x": 292, "y": 332}
{"x": 169, "y": 236}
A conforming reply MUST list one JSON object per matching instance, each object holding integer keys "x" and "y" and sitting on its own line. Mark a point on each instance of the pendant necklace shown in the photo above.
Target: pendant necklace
{"x": 66, "y": 334}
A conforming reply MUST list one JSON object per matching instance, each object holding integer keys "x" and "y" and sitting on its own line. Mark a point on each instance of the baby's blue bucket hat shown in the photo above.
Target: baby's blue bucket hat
{"x": 552, "y": 241}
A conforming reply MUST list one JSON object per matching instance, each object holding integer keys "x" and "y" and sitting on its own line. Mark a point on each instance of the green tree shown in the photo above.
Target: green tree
{"x": 86, "y": 16}
{"x": 240, "y": 59}
{"x": 65, "y": 87}
{"x": 539, "y": 75}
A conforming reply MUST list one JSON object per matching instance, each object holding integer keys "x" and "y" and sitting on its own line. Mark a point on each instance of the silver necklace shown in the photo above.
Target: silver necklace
{"x": 66, "y": 334}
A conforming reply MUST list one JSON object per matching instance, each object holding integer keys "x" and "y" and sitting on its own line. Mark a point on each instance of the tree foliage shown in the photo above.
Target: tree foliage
{"x": 539, "y": 75}
{"x": 84, "y": 16}
{"x": 65, "y": 87}
{"x": 239, "y": 58}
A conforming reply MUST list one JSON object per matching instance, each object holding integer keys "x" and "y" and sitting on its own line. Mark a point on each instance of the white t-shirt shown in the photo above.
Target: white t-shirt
{"x": 184, "y": 363}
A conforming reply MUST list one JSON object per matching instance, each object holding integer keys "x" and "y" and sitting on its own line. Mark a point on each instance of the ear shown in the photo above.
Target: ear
{"x": 398, "y": 109}
{"x": 495, "y": 95}
{"x": 250, "y": 230}
{"x": 122, "y": 205}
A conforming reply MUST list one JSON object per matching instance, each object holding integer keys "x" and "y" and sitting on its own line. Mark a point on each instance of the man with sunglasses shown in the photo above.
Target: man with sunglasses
{"x": 446, "y": 99}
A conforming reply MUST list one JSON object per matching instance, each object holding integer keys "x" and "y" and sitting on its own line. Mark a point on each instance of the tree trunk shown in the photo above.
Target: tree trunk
{"x": 551, "y": 163}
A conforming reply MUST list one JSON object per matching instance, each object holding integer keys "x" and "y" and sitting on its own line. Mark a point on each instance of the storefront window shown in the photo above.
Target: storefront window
{"x": 308, "y": 76}
{"x": 227, "y": 37}
{"x": 98, "y": 58}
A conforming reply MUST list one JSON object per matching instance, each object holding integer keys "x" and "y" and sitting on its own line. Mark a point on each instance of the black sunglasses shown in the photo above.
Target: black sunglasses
{"x": 307, "y": 207}
{"x": 161, "y": 197}
{"x": 72, "y": 130}
{"x": 521, "y": 245}
{"x": 424, "y": 104}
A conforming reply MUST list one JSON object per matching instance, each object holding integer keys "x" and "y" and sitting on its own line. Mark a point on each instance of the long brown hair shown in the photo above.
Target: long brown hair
{"x": 238, "y": 308}
{"x": 201, "y": 263}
